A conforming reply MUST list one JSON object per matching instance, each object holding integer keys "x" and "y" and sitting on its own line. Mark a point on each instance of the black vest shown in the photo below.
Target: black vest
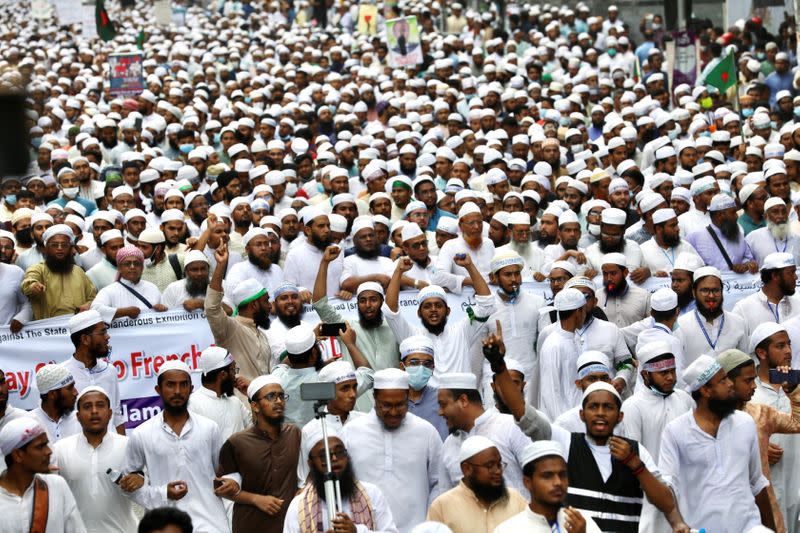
{"x": 607, "y": 502}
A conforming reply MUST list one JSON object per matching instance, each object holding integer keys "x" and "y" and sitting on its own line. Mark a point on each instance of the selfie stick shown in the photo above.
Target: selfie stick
{"x": 333, "y": 493}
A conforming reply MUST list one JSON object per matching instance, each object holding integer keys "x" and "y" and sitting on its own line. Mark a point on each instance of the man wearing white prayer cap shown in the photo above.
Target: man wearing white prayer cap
{"x": 592, "y": 366}
{"x": 451, "y": 271}
{"x": 56, "y": 411}
{"x": 189, "y": 293}
{"x": 481, "y": 500}
{"x": 262, "y": 250}
{"x": 682, "y": 277}
{"x": 416, "y": 246}
{"x": 215, "y": 398}
{"x": 366, "y": 264}
{"x": 156, "y": 443}
{"x": 777, "y": 235}
{"x": 519, "y": 226}
{"x": 724, "y": 246}
{"x": 89, "y": 364}
{"x": 103, "y": 506}
{"x": 709, "y": 328}
{"x": 417, "y": 359}
{"x": 451, "y": 342}
{"x": 396, "y": 450}
{"x": 612, "y": 240}
{"x": 567, "y": 249}
{"x": 662, "y": 250}
{"x": 461, "y": 406}
{"x": 622, "y": 302}
{"x": 317, "y": 230}
{"x": 24, "y": 443}
{"x": 545, "y": 476}
{"x": 105, "y": 273}
{"x": 696, "y": 441}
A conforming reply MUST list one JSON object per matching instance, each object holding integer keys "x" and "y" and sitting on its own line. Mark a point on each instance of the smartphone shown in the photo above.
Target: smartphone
{"x": 217, "y": 483}
{"x": 460, "y": 256}
{"x": 137, "y": 124}
{"x": 792, "y": 377}
{"x": 319, "y": 391}
{"x": 331, "y": 329}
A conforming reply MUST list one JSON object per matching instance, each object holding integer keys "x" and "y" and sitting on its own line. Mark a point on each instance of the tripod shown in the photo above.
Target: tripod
{"x": 333, "y": 493}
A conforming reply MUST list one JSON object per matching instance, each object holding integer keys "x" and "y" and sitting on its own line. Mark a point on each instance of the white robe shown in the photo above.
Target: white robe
{"x": 694, "y": 340}
{"x": 270, "y": 279}
{"x": 62, "y": 512}
{"x": 114, "y": 296}
{"x": 451, "y": 276}
{"x": 302, "y": 264}
{"x": 228, "y": 412}
{"x": 657, "y": 259}
{"x": 755, "y": 309}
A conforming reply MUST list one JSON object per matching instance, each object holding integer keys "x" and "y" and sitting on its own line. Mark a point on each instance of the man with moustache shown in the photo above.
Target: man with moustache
{"x": 365, "y": 264}
{"x": 481, "y": 500}
{"x": 189, "y": 292}
{"x": 317, "y": 230}
{"x": 777, "y": 236}
{"x": 56, "y": 411}
{"x": 660, "y": 253}
{"x": 681, "y": 278}
{"x": 622, "y": 302}
{"x": 104, "y": 273}
{"x": 548, "y": 228}
{"x": 776, "y": 301}
{"x": 162, "y": 445}
{"x": 415, "y": 245}
{"x": 288, "y": 308}
{"x": 519, "y": 224}
{"x": 261, "y": 264}
{"x": 450, "y": 273}
{"x": 266, "y": 456}
{"x": 612, "y": 240}
{"x": 39, "y": 224}
{"x": 722, "y": 244}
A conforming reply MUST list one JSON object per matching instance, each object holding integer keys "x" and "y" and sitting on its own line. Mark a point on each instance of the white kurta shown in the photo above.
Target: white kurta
{"x": 658, "y": 259}
{"x": 302, "y": 263}
{"x": 500, "y": 429}
{"x": 191, "y": 456}
{"x": 531, "y": 522}
{"x": 381, "y": 513}
{"x": 403, "y": 461}
{"x": 701, "y": 337}
{"x": 62, "y": 512}
{"x": 176, "y": 294}
{"x": 57, "y": 429}
{"x": 558, "y": 356}
{"x": 693, "y": 220}
{"x": 756, "y": 309}
{"x": 553, "y": 251}
{"x": 627, "y": 308}
{"x": 631, "y": 251}
{"x": 103, "y": 505}
{"x": 713, "y": 476}
{"x": 12, "y": 301}
{"x": 114, "y": 296}
{"x": 354, "y": 265}
{"x": 102, "y": 274}
{"x": 103, "y": 374}
{"x": 269, "y": 278}
{"x": 451, "y": 348}
{"x": 449, "y": 275}
{"x": 762, "y": 243}
{"x": 532, "y": 255}
{"x": 228, "y": 412}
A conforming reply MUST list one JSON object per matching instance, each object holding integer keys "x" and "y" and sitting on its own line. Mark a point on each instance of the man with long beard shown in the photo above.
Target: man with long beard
{"x": 612, "y": 240}
{"x": 266, "y": 456}
{"x": 242, "y": 217}
{"x": 287, "y": 305}
{"x": 722, "y": 244}
{"x": 363, "y": 503}
{"x": 449, "y": 272}
{"x": 39, "y": 224}
{"x": 622, "y": 302}
{"x": 776, "y": 301}
{"x": 366, "y": 264}
{"x": 519, "y": 225}
{"x": 566, "y": 247}
{"x": 715, "y": 437}
{"x": 777, "y": 236}
{"x": 261, "y": 264}
{"x": 189, "y": 292}
{"x": 481, "y": 500}
{"x": 317, "y": 230}
{"x": 173, "y": 433}
{"x": 57, "y": 286}
{"x": 661, "y": 251}
{"x": 548, "y": 228}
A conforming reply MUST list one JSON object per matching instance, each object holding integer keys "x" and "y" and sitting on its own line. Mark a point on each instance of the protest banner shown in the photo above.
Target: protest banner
{"x": 125, "y": 74}
{"x": 367, "y": 19}
{"x": 66, "y": 13}
{"x": 402, "y": 39}
{"x": 41, "y": 9}
{"x": 684, "y": 65}
{"x": 88, "y": 20}
{"x": 162, "y": 9}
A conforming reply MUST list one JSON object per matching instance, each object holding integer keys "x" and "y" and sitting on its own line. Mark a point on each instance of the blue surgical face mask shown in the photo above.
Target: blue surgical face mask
{"x": 186, "y": 148}
{"x": 773, "y": 125}
{"x": 217, "y": 137}
{"x": 797, "y": 111}
{"x": 11, "y": 199}
{"x": 747, "y": 112}
{"x": 36, "y": 142}
{"x": 611, "y": 52}
{"x": 705, "y": 134}
{"x": 418, "y": 376}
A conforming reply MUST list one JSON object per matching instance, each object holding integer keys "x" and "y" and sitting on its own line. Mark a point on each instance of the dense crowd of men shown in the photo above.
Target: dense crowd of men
{"x": 276, "y": 164}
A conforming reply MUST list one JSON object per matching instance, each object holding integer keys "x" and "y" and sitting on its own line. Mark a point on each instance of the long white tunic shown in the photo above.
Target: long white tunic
{"x": 715, "y": 479}
{"x": 500, "y": 429}
{"x": 62, "y": 512}
{"x": 449, "y": 275}
{"x": 103, "y": 374}
{"x": 191, "y": 456}
{"x": 762, "y": 243}
{"x": 114, "y": 296}
{"x": 381, "y": 513}
{"x": 403, "y": 461}
{"x": 756, "y": 309}
{"x": 531, "y": 522}
{"x": 451, "y": 348}
{"x": 269, "y": 278}
{"x": 353, "y": 265}
{"x": 532, "y": 255}
{"x": 553, "y": 251}
{"x": 558, "y": 357}
{"x": 176, "y": 294}
{"x": 228, "y": 412}
{"x": 658, "y": 259}
{"x": 302, "y": 263}
{"x": 699, "y": 336}
{"x": 693, "y": 220}
{"x": 102, "y": 274}
{"x": 13, "y": 304}
{"x": 102, "y": 504}
{"x": 57, "y": 429}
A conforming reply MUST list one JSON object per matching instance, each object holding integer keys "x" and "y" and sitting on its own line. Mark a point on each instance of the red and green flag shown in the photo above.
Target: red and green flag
{"x": 722, "y": 76}
{"x": 105, "y": 26}
{"x": 140, "y": 40}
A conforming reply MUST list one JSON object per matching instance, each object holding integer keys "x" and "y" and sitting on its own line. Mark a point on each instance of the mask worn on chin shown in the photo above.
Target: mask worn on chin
{"x": 418, "y": 376}
{"x": 659, "y": 393}
{"x": 11, "y": 199}
{"x": 70, "y": 192}
{"x": 593, "y": 229}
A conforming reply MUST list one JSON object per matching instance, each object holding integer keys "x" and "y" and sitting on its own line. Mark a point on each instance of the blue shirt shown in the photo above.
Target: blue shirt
{"x": 427, "y": 408}
{"x": 738, "y": 252}
{"x": 437, "y": 214}
{"x": 778, "y": 82}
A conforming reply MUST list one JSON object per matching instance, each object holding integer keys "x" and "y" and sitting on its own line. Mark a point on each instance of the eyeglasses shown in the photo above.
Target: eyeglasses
{"x": 59, "y": 245}
{"x": 102, "y": 332}
{"x": 499, "y": 465}
{"x": 273, "y": 397}
{"x": 418, "y": 245}
{"x": 419, "y": 362}
{"x": 706, "y": 291}
{"x": 131, "y": 264}
{"x": 339, "y": 452}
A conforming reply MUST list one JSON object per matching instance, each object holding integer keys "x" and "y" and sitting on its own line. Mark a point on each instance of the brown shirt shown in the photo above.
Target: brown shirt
{"x": 461, "y": 511}
{"x": 267, "y": 467}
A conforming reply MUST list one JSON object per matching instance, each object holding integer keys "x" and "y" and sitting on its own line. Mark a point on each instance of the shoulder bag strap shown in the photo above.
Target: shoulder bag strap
{"x": 135, "y": 293}
{"x": 176, "y": 265}
{"x": 725, "y": 255}
{"x": 41, "y": 506}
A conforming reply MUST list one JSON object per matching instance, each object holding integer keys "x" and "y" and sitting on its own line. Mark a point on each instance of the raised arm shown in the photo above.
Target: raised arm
{"x": 465, "y": 261}
{"x": 221, "y": 255}
{"x": 393, "y": 289}
{"x": 321, "y": 283}
{"x": 348, "y": 337}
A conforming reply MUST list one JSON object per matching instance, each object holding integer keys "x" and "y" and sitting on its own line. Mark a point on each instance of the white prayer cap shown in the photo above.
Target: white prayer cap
{"x": 567, "y": 217}
{"x": 764, "y": 331}
{"x": 391, "y": 378}
{"x": 193, "y": 256}
{"x": 688, "y": 262}
{"x": 252, "y": 234}
{"x": 171, "y": 215}
{"x": 343, "y": 198}
{"x": 651, "y": 350}
{"x": 650, "y": 201}
{"x": 615, "y": 258}
{"x": 778, "y": 260}
{"x": 40, "y": 216}
{"x": 613, "y": 216}
{"x": 245, "y": 292}
{"x": 338, "y": 223}
{"x": 580, "y": 281}
{"x": 504, "y": 259}
{"x": 93, "y": 388}
{"x": 447, "y": 225}
{"x": 214, "y": 358}
{"x": 151, "y": 236}
{"x": 706, "y": 271}
{"x": 700, "y": 372}
{"x": 664, "y": 299}
{"x": 468, "y": 209}
{"x": 569, "y": 299}
{"x": 565, "y": 265}
{"x": 58, "y": 229}
{"x": 53, "y": 377}
{"x": 681, "y": 193}
{"x": 474, "y": 445}
{"x": 362, "y": 222}
{"x": 541, "y": 448}
{"x": 662, "y": 215}
{"x": 411, "y": 231}
{"x": 598, "y": 386}
{"x": 19, "y": 432}
{"x": 133, "y": 213}
{"x": 720, "y": 202}
{"x": 311, "y": 212}
{"x": 431, "y": 291}
{"x": 416, "y": 344}
{"x": 771, "y": 202}
{"x": 300, "y": 339}
{"x": 337, "y": 372}
{"x": 495, "y": 176}
{"x": 83, "y": 320}
{"x": 618, "y": 184}
{"x": 458, "y": 380}
{"x": 259, "y": 383}
{"x": 174, "y": 364}
{"x": 312, "y": 434}
{"x": 592, "y": 357}
{"x": 122, "y": 189}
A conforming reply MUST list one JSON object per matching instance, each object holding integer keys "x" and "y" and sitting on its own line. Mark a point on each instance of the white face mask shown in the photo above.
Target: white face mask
{"x": 593, "y": 229}
{"x": 70, "y": 192}
{"x": 291, "y": 189}
{"x": 576, "y": 148}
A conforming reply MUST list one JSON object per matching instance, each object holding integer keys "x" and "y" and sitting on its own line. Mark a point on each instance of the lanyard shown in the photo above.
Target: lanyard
{"x": 705, "y": 333}
{"x": 670, "y": 259}
{"x": 775, "y": 312}
{"x": 785, "y": 244}
{"x": 554, "y": 526}
{"x": 581, "y": 332}
{"x": 662, "y": 327}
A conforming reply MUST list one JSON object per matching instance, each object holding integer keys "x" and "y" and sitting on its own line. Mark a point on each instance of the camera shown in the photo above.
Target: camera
{"x": 318, "y": 392}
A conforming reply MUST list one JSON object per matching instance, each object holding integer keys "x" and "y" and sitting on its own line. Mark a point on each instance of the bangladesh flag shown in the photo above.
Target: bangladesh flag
{"x": 723, "y": 76}
{"x": 105, "y": 26}
{"x": 140, "y": 40}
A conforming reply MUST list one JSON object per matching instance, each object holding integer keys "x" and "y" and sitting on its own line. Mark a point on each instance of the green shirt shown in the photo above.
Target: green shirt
{"x": 749, "y": 225}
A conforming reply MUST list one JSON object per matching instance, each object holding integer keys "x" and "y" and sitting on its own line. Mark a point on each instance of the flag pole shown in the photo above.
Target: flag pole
{"x": 738, "y": 106}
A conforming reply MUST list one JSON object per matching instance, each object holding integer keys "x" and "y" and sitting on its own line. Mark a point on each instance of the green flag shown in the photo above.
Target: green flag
{"x": 105, "y": 27}
{"x": 722, "y": 76}
{"x": 140, "y": 40}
